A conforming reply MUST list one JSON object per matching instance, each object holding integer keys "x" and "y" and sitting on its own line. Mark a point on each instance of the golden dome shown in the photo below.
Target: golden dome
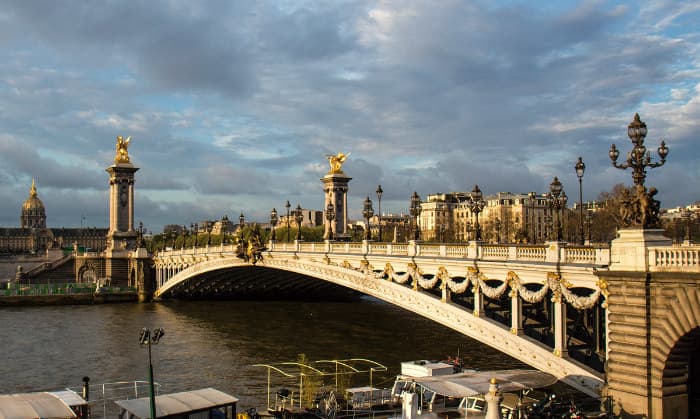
{"x": 33, "y": 202}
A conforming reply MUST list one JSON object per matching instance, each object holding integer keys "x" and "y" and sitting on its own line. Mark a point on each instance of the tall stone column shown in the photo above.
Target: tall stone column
{"x": 335, "y": 187}
{"x": 121, "y": 238}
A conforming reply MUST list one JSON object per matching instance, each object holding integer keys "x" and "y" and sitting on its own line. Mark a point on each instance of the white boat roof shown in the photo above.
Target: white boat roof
{"x": 473, "y": 383}
{"x": 177, "y": 403}
{"x": 34, "y": 406}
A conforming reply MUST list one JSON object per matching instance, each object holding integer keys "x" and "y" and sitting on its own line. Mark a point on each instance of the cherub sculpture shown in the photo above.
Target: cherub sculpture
{"x": 122, "y": 150}
{"x": 336, "y": 162}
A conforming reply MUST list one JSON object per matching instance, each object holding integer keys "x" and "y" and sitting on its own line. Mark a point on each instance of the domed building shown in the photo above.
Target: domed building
{"x": 33, "y": 236}
{"x": 33, "y": 211}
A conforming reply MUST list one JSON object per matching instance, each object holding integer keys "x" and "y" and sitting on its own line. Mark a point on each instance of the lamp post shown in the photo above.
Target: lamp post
{"x": 687, "y": 215}
{"x": 330, "y": 216}
{"x": 298, "y": 217}
{"x": 367, "y": 212}
{"x": 589, "y": 218}
{"x": 531, "y": 230}
{"x": 273, "y": 221}
{"x": 140, "y": 241}
{"x": 224, "y": 227}
{"x": 287, "y": 205}
{"x": 580, "y": 167}
{"x": 557, "y": 203}
{"x": 639, "y": 159}
{"x": 173, "y": 235}
{"x": 195, "y": 231}
{"x": 476, "y": 204}
{"x": 379, "y": 200}
{"x": 147, "y": 338}
{"x": 415, "y": 210}
{"x": 184, "y": 236}
{"x": 209, "y": 228}
{"x": 241, "y": 222}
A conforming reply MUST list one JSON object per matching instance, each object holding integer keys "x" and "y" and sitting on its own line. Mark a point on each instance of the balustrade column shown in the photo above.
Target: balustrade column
{"x": 516, "y": 313}
{"x": 478, "y": 301}
{"x": 446, "y": 293}
{"x": 560, "y": 348}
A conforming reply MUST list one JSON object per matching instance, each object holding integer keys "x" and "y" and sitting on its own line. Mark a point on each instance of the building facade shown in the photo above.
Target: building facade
{"x": 505, "y": 218}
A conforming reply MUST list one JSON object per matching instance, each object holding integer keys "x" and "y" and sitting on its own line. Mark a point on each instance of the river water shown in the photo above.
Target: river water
{"x": 216, "y": 343}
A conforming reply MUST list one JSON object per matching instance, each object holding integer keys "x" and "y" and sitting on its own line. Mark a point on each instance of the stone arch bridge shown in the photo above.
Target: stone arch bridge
{"x": 567, "y": 310}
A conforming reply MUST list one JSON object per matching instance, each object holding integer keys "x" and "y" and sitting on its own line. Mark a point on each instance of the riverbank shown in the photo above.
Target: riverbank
{"x": 68, "y": 299}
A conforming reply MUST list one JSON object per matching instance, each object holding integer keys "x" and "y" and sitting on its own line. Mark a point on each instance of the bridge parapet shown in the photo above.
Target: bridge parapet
{"x": 674, "y": 259}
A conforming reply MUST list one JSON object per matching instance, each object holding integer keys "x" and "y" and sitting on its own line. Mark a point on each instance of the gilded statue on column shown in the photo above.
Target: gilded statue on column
{"x": 336, "y": 162}
{"x": 122, "y": 155}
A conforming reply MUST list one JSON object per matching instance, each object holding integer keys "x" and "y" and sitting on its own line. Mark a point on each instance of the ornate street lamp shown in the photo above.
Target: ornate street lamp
{"x": 273, "y": 221}
{"x": 195, "y": 231}
{"x": 209, "y": 228}
{"x": 184, "y": 236}
{"x": 379, "y": 200}
{"x": 367, "y": 212}
{"x": 139, "y": 243}
{"x": 687, "y": 215}
{"x": 330, "y": 216}
{"x": 557, "y": 202}
{"x": 415, "y": 210}
{"x": 147, "y": 338}
{"x": 580, "y": 167}
{"x": 224, "y": 227}
{"x": 241, "y": 222}
{"x": 173, "y": 235}
{"x": 287, "y": 205}
{"x": 643, "y": 210}
{"x": 299, "y": 217}
{"x": 531, "y": 230}
{"x": 476, "y": 204}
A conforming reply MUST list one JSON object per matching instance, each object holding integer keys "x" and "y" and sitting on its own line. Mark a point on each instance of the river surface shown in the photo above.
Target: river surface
{"x": 216, "y": 343}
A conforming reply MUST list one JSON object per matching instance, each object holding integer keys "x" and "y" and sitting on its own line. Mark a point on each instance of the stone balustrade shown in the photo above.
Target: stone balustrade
{"x": 666, "y": 258}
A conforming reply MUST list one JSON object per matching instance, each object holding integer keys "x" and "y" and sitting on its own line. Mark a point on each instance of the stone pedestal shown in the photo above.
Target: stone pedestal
{"x": 335, "y": 187}
{"x": 630, "y": 251}
{"x": 121, "y": 207}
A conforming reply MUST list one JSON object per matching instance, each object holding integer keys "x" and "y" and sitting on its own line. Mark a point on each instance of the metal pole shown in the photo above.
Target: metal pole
{"x": 580, "y": 209}
{"x": 150, "y": 380}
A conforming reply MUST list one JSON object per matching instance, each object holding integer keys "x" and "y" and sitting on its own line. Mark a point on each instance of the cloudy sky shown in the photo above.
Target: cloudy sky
{"x": 233, "y": 105}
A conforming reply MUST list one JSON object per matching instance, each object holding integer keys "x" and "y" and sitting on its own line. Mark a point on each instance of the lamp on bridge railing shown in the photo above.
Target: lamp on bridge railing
{"x": 209, "y": 227}
{"x": 185, "y": 233}
{"x": 531, "y": 219}
{"x": 367, "y": 212}
{"x": 195, "y": 230}
{"x": 476, "y": 204}
{"x": 298, "y": 217}
{"x": 273, "y": 221}
{"x": 224, "y": 227}
{"x": 687, "y": 215}
{"x": 415, "y": 209}
{"x": 147, "y": 338}
{"x": 173, "y": 235}
{"x": 580, "y": 167}
{"x": 139, "y": 242}
{"x": 379, "y": 220}
{"x": 287, "y": 205}
{"x": 330, "y": 216}
{"x": 557, "y": 201}
{"x": 241, "y": 222}
{"x": 642, "y": 209}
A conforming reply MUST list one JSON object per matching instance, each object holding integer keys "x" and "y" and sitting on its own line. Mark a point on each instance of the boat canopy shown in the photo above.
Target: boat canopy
{"x": 39, "y": 405}
{"x": 473, "y": 383}
{"x": 178, "y": 403}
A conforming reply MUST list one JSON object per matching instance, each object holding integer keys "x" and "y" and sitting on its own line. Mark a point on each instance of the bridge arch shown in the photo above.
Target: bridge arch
{"x": 389, "y": 288}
